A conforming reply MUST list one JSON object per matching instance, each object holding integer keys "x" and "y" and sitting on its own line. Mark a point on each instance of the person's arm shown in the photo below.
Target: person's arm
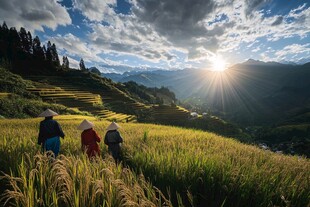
{"x": 119, "y": 137}
{"x": 60, "y": 132}
{"x": 40, "y": 136}
{"x": 106, "y": 139}
{"x": 98, "y": 139}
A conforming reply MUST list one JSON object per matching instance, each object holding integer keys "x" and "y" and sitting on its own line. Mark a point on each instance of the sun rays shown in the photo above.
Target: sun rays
{"x": 218, "y": 64}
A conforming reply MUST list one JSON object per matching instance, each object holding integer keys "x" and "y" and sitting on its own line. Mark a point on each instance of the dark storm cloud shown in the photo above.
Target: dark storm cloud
{"x": 252, "y": 5}
{"x": 175, "y": 19}
{"x": 278, "y": 21}
{"x": 35, "y": 15}
{"x": 181, "y": 22}
{"x": 6, "y": 5}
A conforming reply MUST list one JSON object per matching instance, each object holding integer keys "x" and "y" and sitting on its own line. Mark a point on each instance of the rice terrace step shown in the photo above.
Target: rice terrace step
{"x": 74, "y": 97}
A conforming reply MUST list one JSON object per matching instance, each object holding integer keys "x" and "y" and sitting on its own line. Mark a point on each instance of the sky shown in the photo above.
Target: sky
{"x": 123, "y": 35}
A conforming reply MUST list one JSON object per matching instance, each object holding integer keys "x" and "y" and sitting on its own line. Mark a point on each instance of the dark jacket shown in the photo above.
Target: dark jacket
{"x": 112, "y": 137}
{"x": 49, "y": 128}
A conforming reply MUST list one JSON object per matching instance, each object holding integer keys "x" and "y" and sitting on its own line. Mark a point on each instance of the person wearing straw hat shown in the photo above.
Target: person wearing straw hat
{"x": 50, "y": 132}
{"x": 89, "y": 139}
{"x": 113, "y": 140}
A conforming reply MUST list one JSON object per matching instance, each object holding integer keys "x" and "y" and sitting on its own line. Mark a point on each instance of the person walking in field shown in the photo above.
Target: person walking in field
{"x": 89, "y": 139}
{"x": 114, "y": 139}
{"x": 50, "y": 132}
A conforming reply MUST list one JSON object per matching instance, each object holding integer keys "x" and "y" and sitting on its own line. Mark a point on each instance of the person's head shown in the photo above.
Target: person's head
{"x": 85, "y": 125}
{"x": 113, "y": 126}
{"x": 48, "y": 114}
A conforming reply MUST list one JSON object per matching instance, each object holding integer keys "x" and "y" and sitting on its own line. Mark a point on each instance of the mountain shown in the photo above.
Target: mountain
{"x": 245, "y": 93}
{"x": 95, "y": 70}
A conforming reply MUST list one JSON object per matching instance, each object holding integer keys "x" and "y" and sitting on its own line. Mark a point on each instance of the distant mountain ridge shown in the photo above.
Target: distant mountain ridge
{"x": 246, "y": 92}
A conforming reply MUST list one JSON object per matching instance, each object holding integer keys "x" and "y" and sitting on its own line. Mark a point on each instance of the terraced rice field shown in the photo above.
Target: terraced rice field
{"x": 110, "y": 95}
{"x": 82, "y": 100}
{"x": 168, "y": 113}
{"x": 4, "y": 95}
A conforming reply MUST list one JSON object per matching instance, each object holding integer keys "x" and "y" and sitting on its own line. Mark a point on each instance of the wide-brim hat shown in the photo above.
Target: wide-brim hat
{"x": 113, "y": 126}
{"x": 85, "y": 125}
{"x": 48, "y": 113}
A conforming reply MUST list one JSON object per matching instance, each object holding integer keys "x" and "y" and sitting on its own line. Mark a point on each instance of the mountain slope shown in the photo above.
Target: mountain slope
{"x": 246, "y": 93}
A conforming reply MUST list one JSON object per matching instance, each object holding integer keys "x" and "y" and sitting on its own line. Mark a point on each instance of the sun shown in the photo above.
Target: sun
{"x": 218, "y": 64}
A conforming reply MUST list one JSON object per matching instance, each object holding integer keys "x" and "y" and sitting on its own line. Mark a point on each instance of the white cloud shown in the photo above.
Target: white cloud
{"x": 293, "y": 50}
{"x": 199, "y": 28}
{"x": 33, "y": 14}
{"x": 75, "y": 47}
{"x": 96, "y": 10}
{"x": 298, "y": 53}
{"x": 73, "y": 63}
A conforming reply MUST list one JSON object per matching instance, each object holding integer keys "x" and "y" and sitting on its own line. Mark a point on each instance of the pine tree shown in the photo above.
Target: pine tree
{"x": 55, "y": 59}
{"x": 4, "y": 36}
{"x": 82, "y": 65}
{"x": 29, "y": 37}
{"x": 49, "y": 55}
{"x": 38, "y": 51}
{"x": 26, "y": 42}
{"x": 65, "y": 63}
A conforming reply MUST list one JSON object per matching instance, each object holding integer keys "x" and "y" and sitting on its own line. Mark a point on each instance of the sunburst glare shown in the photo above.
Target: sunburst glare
{"x": 218, "y": 64}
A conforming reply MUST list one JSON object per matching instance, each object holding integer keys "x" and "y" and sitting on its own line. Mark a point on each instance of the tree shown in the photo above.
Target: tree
{"x": 38, "y": 55}
{"x": 65, "y": 63}
{"x": 38, "y": 51}
{"x": 82, "y": 65}
{"x": 55, "y": 56}
{"x": 4, "y": 36}
{"x": 52, "y": 55}
{"x": 26, "y": 40}
{"x": 49, "y": 55}
{"x": 14, "y": 44}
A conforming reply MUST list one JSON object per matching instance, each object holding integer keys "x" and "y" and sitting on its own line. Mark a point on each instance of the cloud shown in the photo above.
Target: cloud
{"x": 278, "y": 21}
{"x": 262, "y": 27}
{"x": 73, "y": 46}
{"x": 33, "y": 14}
{"x": 181, "y": 22}
{"x": 293, "y": 50}
{"x": 126, "y": 36}
{"x": 96, "y": 10}
{"x": 297, "y": 53}
{"x": 72, "y": 63}
{"x": 198, "y": 28}
{"x": 253, "y": 5}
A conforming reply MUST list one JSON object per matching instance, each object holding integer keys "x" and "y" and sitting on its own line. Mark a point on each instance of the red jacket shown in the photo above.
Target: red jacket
{"x": 89, "y": 139}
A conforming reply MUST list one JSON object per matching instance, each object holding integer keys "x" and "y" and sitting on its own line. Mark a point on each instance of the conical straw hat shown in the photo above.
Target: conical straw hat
{"x": 113, "y": 126}
{"x": 85, "y": 125}
{"x": 48, "y": 113}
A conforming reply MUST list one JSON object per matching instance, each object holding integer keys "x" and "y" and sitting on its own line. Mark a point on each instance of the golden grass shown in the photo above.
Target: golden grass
{"x": 204, "y": 168}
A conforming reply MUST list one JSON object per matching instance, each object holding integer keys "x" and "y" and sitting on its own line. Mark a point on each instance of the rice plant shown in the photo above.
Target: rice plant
{"x": 188, "y": 167}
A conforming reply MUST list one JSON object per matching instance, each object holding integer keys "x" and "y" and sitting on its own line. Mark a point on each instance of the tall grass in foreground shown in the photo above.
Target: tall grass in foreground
{"x": 217, "y": 171}
{"x": 32, "y": 179}
{"x": 71, "y": 181}
{"x": 214, "y": 170}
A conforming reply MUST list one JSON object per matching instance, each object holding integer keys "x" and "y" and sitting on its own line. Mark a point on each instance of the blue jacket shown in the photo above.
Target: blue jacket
{"x": 49, "y": 128}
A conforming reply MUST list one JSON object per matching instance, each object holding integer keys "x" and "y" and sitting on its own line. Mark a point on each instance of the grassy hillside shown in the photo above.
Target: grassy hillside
{"x": 16, "y": 101}
{"x": 75, "y": 91}
{"x": 205, "y": 169}
{"x": 12, "y": 83}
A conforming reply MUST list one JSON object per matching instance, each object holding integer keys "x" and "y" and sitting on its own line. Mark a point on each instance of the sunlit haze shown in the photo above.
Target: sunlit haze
{"x": 218, "y": 64}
